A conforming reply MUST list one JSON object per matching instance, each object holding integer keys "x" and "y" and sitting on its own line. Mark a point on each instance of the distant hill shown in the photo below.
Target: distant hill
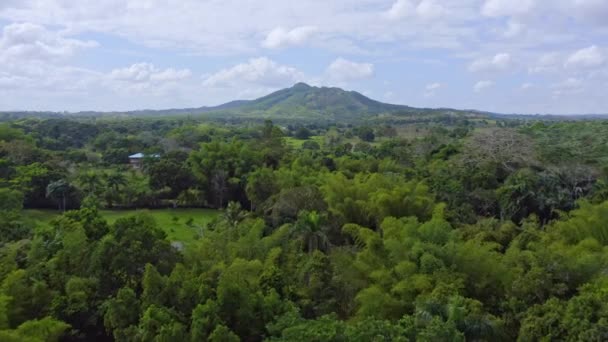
{"x": 304, "y": 101}
{"x": 307, "y": 103}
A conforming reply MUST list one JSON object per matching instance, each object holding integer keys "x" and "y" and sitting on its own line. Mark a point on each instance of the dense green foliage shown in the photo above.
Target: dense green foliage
{"x": 469, "y": 230}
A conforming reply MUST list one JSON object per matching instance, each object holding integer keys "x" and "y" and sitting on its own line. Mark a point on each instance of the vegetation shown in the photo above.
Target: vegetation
{"x": 448, "y": 229}
{"x": 183, "y": 226}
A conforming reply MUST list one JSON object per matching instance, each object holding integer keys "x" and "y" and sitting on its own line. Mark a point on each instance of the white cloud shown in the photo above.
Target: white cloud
{"x": 501, "y": 8}
{"x": 482, "y": 85}
{"x": 145, "y": 79}
{"x": 567, "y": 87}
{"x": 136, "y": 72}
{"x": 11, "y": 81}
{"x": 586, "y": 58}
{"x": 434, "y": 86}
{"x": 170, "y": 75}
{"x": 26, "y": 41}
{"x": 430, "y": 9}
{"x": 36, "y": 59}
{"x": 548, "y": 62}
{"x": 570, "y": 83}
{"x": 499, "y": 62}
{"x": 526, "y": 86}
{"x": 147, "y": 72}
{"x": 343, "y": 70}
{"x": 514, "y": 29}
{"x": 401, "y": 9}
{"x": 594, "y": 11}
{"x": 261, "y": 71}
{"x": 431, "y": 89}
{"x": 280, "y": 37}
{"x": 37, "y": 76}
{"x": 425, "y": 9}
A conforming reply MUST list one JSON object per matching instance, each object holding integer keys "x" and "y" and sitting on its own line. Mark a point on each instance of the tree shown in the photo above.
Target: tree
{"x": 114, "y": 181}
{"x": 153, "y": 285}
{"x": 365, "y": 133}
{"x": 204, "y": 319}
{"x": 121, "y": 311}
{"x": 239, "y": 298}
{"x": 10, "y": 200}
{"x": 222, "y": 334}
{"x": 505, "y": 148}
{"x": 59, "y": 190}
{"x": 137, "y": 191}
{"x": 311, "y": 145}
{"x": 332, "y": 138}
{"x": 272, "y": 146}
{"x": 302, "y": 133}
{"x": 368, "y": 198}
{"x": 116, "y": 156}
{"x": 220, "y": 169}
{"x": 171, "y": 172}
{"x": 261, "y": 185}
{"x": 121, "y": 256}
{"x": 29, "y": 298}
{"x": 233, "y": 214}
{"x": 46, "y": 329}
{"x": 290, "y": 202}
{"x": 161, "y": 324}
{"x": 316, "y": 292}
{"x": 32, "y": 180}
{"x": 582, "y": 318}
{"x": 311, "y": 229}
{"x": 90, "y": 182}
{"x": 219, "y": 184}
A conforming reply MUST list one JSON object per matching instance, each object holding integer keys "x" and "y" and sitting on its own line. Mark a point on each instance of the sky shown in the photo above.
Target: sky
{"x": 507, "y": 56}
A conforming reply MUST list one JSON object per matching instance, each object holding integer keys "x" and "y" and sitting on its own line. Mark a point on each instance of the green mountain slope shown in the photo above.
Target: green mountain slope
{"x": 305, "y": 102}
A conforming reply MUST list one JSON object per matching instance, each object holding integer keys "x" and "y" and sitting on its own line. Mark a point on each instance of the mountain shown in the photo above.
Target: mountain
{"x": 304, "y": 103}
{"x": 300, "y": 102}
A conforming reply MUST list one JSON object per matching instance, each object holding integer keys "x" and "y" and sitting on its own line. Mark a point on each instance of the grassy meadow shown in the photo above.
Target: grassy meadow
{"x": 297, "y": 143}
{"x": 175, "y": 222}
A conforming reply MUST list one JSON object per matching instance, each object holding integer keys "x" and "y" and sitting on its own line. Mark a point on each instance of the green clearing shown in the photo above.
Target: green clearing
{"x": 297, "y": 143}
{"x": 172, "y": 221}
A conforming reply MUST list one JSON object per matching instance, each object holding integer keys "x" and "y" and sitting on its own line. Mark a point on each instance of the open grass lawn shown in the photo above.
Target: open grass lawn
{"x": 172, "y": 221}
{"x": 297, "y": 143}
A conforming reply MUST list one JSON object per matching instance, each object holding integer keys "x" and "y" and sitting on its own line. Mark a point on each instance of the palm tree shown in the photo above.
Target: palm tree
{"x": 90, "y": 182}
{"x": 116, "y": 179}
{"x": 234, "y": 214}
{"x": 58, "y": 190}
{"x": 312, "y": 231}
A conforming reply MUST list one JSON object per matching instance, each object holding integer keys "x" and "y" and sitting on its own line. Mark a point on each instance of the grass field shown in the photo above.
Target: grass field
{"x": 172, "y": 221}
{"x": 297, "y": 143}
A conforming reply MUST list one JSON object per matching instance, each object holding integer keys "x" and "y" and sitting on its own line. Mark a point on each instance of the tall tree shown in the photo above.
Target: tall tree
{"x": 312, "y": 231}
{"x": 114, "y": 181}
{"x": 59, "y": 190}
{"x": 90, "y": 182}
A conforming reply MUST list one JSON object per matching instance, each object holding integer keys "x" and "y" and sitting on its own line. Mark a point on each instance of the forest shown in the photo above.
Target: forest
{"x": 451, "y": 229}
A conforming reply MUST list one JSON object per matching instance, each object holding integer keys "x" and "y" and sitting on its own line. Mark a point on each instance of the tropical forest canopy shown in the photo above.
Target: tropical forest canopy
{"x": 450, "y": 228}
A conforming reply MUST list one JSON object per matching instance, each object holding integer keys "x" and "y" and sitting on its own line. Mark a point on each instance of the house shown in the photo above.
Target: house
{"x": 137, "y": 160}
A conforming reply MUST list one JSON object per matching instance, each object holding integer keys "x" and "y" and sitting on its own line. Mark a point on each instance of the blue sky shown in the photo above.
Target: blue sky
{"x": 510, "y": 56}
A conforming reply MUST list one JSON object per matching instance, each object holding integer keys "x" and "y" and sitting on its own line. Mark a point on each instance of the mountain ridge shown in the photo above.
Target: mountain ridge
{"x": 302, "y": 102}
